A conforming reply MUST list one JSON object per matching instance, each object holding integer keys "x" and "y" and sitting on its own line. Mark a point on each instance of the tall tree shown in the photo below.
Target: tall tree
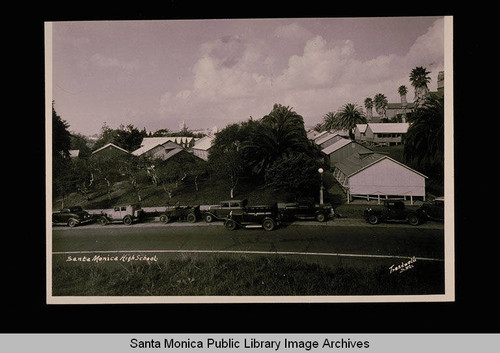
{"x": 132, "y": 169}
{"x": 127, "y": 137}
{"x": 61, "y": 137}
{"x": 402, "y": 90}
{"x": 61, "y": 164}
{"x": 295, "y": 174}
{"x": 380, "y": 101}
{"x": 227, "y": 167}
{"x": 81, "y": 143}
{"x": 424, "y": 141}
{"x": 348, "y": 116}
{"x": 329, "y": 121}
{"x": 105, "y": 170}
{"x": 225, "y": 161}
{"x": 419, "y": 78}
{"x": 369, "y": 108}
{"x": 280, "y": 132}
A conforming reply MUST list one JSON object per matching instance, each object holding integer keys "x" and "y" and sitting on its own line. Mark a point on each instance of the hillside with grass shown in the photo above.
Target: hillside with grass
{"x": 210, "y": 191}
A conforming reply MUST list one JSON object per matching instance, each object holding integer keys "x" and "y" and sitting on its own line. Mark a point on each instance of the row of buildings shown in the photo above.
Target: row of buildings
{"x": 378, "y": 134}
{"x": 363, "y": 173}
{"x": 164, "y": 148}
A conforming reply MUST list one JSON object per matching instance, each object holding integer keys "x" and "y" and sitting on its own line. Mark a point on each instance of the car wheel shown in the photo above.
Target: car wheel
{"x": 164, "y": 218}
{"x": 230, "y": 224}
{"x": 373, "y": 219}
{"x": 320, "y": 217}
{"x": 191, "y": 218}
{"x": 209, "y": 218}
{"x": 268, "y": 224}
{"x": 72, "y": 222}
{"x": 127, "y": 220}
{"x": 413, "y": 220}
{"x": 103, "y": 220}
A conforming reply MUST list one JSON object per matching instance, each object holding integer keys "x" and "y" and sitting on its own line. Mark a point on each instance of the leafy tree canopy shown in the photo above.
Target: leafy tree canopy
{"x": 127, "y": 137}
{"x": 346, "y": 118}
{"x": 61, "y": 137}
{"x": 295, "y": 174}
{"x": 424, "y": 142}
{"x": 279, "y": 133}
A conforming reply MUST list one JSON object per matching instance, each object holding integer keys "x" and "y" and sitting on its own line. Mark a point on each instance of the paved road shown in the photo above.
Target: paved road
{"x": 338, "y": 238}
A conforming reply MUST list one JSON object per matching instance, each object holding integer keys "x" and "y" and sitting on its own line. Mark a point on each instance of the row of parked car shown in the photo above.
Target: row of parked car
{"x": 234, "y": 214}
{"x": 237, "y": 213}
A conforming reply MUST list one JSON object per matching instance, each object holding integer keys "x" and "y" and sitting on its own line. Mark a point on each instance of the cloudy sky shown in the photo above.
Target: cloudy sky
{"x": 156, "y": 74}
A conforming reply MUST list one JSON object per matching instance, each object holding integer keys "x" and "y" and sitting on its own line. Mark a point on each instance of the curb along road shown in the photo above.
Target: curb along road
{"x": 338, "y": 222}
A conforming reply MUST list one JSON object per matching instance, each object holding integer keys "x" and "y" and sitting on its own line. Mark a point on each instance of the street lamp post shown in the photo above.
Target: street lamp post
{"x": 320, "y": 171}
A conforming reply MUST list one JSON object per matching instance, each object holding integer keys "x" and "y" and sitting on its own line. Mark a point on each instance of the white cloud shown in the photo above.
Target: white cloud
{"x": 320, "y": 65}
{"x": 235, "y": 78}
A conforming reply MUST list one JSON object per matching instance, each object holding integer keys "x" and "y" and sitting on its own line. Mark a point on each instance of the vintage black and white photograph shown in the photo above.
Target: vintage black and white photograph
{"x": 250, "y": 160}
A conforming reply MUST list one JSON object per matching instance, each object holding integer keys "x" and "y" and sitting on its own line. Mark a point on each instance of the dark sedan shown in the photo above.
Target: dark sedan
{"x": 392, "y": 210}
{"x": 71, "y": 216}
{"x": 433, "y": 210}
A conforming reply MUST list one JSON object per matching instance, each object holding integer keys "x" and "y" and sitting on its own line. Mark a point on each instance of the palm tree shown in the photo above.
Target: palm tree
{"x": 347, "y": 117}
{"x": 402, "y": 90}
{"x": 419, "y": 79}
{"x": 328, "y": 121}
{"x": 381, "y": 102}
{"x": 279, "y": 133}
{"x": 369, "y": 106}
{"x": 424, "y": 142}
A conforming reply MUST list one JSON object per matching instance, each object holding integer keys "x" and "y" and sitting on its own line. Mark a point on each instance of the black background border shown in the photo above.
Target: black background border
{"x": 23, "y": 284}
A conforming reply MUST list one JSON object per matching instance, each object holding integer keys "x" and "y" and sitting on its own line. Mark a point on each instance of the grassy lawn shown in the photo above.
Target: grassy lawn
{"x": 243, "y": 275}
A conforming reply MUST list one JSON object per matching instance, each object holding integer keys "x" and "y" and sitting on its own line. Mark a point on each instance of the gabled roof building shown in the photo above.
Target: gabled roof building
{"x": 110, "y": 151}
{"x": 382, "y": 133}
{"x": 343, "y": 148}
{"x": 374, "y": 175}
{"x": 202, "y": 147}
{"x": 162, "y": 147}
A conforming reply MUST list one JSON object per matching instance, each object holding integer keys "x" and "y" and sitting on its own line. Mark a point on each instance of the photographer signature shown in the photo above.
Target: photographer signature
{"x": 403, "y": 266}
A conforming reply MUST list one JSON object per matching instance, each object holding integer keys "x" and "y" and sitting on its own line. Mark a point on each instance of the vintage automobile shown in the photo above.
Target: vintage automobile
{"x": 71, "y": 216}
{"x": 432, "y": 210}
{"x": 180, "y": 213}
{"x": 126, "y": 214}
{"x": 266, "y": 217}
{"x": 304, "y": 210}
{"x": 392, "y": 210}
{"x": 221, "y": 211}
